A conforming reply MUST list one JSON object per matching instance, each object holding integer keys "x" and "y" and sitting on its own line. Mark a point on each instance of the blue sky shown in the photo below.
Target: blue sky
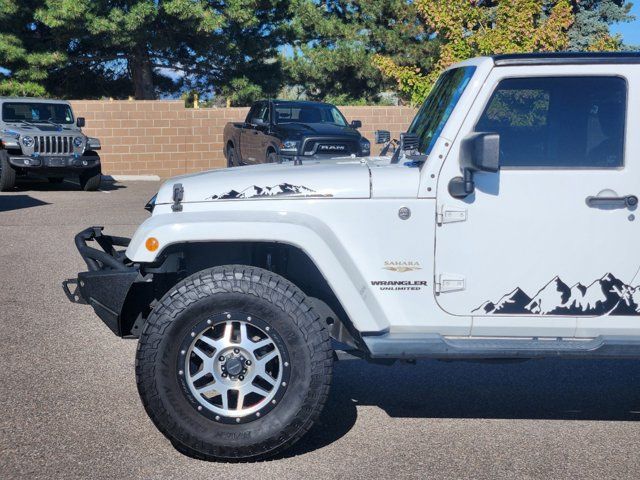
{"x": 630, "y": 31}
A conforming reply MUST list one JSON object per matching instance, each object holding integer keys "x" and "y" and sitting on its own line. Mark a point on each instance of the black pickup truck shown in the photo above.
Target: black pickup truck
{"x": 285, "y": 130}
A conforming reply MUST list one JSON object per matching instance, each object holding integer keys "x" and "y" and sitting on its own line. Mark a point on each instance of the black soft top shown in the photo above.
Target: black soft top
{"x": 566, "y": 58}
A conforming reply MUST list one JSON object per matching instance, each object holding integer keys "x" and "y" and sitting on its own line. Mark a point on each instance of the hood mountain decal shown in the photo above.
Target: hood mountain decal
{"x": 282, "y": 189}
{"x": 606, "y": 296}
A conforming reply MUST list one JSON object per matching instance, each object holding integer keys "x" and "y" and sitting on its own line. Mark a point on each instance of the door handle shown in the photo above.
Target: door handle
{"x": 629, "y": 201}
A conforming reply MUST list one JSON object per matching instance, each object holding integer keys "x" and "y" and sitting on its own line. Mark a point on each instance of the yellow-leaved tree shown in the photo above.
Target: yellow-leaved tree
{"x": 468, "y": 28}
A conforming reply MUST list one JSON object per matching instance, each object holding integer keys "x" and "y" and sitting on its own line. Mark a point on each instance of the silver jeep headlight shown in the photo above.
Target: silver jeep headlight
{"x": 78, "y": 142}
{"x": 290, "y": 146}
{"x": 27, "y": 141}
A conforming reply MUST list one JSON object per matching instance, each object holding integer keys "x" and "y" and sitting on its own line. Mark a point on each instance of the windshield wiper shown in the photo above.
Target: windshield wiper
{"x": 49, "y": 121}
{"x": 31, "y": 122}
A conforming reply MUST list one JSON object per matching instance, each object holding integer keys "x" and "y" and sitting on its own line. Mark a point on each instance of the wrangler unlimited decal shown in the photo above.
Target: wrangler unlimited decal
{"x": 399, "y": 284}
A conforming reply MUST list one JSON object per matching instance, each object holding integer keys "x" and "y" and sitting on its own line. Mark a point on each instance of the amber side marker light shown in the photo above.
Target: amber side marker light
{"x": 152, "y": 244}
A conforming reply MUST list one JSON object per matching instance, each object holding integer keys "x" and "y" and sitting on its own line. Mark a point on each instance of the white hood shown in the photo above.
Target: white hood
{"x": 346, "y": 179}
{"x": 340, "y": 178}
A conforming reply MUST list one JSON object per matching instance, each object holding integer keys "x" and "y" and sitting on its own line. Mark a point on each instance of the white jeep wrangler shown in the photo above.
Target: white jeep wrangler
{"x": 503, "y": 227}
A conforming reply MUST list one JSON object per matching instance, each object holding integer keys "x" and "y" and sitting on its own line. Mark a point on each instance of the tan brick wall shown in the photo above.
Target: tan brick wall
{"x": 164, "y": 138}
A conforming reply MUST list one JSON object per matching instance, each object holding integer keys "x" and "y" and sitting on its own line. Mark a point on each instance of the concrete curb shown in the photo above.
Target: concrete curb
{"x": 131, "y": 178}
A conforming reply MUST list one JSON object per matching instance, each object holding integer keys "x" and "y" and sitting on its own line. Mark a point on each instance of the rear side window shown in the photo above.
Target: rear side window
{"x": 260, "y": 112}
{"x": 564, "y": 122}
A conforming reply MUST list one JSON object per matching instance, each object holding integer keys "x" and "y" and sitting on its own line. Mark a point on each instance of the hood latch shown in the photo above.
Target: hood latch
{"x": 178, "y": 196}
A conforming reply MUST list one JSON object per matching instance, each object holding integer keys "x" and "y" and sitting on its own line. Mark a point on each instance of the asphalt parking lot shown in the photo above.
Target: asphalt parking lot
{"x": 70, "y": 407}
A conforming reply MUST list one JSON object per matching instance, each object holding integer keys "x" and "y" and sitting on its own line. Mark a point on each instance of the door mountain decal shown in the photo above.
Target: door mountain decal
{"x": 606, "y": 296}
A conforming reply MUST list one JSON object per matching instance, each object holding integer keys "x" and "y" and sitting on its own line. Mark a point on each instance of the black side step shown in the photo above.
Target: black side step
{"x": 411, "y": 346}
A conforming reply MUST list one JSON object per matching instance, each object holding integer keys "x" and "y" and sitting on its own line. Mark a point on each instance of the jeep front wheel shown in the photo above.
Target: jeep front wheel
{"x": 233, "y": 364}
{"x": 7, "y": 173}
{"x": 90, "y": 180}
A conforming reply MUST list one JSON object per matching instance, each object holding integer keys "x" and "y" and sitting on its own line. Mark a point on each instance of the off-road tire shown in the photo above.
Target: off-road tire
{"x": 90, "y": 180}
{"x": 287, "y": 312}
{"x": 272, "y": 157}
{"x": 7, "y": 173}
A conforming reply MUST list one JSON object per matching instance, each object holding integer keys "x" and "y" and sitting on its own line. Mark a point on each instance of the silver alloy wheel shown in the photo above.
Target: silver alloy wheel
{"x": 234, "y": 368}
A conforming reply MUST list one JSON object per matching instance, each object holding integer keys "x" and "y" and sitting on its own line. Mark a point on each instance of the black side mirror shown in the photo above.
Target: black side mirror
{"x": 479, "y": 152}
{"x": 356, "y": 124}
{"x": 81, "y": 122}
{"x": 382, "y": 136}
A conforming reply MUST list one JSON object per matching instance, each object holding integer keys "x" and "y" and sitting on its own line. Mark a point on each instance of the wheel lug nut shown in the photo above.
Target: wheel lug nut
{"x": 221, "y": 358}
{"x": 244, "y": 370}
{"x": 241, "y": 377}
{"x": 235, "y": 350}
{"x": 247, "y": 363}
{"x": 224, "y": 374}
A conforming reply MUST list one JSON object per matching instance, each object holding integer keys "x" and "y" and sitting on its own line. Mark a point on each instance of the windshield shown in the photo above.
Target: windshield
{"x": 36, "y": 112}
{"x": 437, "y": 108}
{"x": 299, "y": 113}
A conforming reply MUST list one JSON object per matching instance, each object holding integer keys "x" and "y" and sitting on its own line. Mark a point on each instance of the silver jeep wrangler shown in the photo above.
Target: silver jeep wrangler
{"x": 43, "y": 136}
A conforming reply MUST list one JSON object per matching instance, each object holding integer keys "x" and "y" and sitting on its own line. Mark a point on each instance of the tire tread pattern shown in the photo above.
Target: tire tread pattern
{"x": 90, "y": 181}
{"x": 7, "y": 173}
{"x": 246, "y": 280}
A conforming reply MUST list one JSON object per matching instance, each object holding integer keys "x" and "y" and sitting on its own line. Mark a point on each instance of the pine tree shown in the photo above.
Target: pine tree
{"x": 334, "y": 42}
{"x": 592, "y": 21}
{"x": 27, "y": 50}
{"x": 149, "y": 47}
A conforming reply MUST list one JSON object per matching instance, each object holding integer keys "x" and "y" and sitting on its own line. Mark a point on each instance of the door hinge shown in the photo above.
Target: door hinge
{"x": 451, "y": 215}
{"x": 449, "y": 282}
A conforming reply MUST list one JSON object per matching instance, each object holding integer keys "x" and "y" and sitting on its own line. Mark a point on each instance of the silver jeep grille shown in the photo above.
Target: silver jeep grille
{"x": 53, "y": 145}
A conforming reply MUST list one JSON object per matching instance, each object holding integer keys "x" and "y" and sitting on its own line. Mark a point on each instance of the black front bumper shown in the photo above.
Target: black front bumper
{"x": 55, "y": 163}
{"x": 108, "y": 283}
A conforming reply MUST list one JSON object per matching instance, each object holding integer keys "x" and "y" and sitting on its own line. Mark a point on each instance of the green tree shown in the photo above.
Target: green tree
{"x": 334, "y": 42}
{"x": 483, "y": 27}
{"x": 592, "y": 21}
{"x": 149, "y": 47}
{"x": 471, "y": 28}
{"x": 27, "y": 50}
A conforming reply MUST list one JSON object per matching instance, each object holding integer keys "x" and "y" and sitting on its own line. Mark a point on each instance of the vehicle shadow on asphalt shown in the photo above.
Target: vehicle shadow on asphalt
{"x": 71, "y": 184}
{"x": 537, "y": 389}
{"x": 18, "y": 202}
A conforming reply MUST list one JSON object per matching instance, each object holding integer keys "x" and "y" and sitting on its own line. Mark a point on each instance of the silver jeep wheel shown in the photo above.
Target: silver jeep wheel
{"x": 208, "y": 325}
{"x": 233, "y": 368}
